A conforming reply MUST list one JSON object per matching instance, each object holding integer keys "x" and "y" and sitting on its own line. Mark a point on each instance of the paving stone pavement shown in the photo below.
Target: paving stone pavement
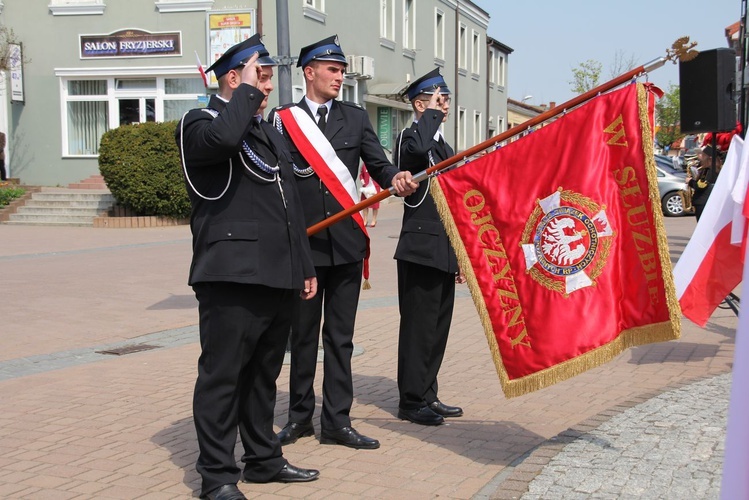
{"x": 670, "y": 446}
{"x": 78, "y": 423}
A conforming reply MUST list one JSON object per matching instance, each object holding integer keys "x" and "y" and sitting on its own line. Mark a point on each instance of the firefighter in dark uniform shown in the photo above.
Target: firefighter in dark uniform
{"x": 338, "y": 251}
{"x": 251, "y": 259}
{"x": 427, "y": 266}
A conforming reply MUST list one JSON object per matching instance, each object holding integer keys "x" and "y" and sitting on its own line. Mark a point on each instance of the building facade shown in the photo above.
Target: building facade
{"x": 83, "y": 67}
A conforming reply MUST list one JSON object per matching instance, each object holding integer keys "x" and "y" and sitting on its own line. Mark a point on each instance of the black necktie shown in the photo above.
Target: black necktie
{"x": 322, "y": 111}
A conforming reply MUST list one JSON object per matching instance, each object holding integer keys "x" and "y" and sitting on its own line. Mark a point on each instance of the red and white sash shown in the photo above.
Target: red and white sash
{"x": 319, "y": 153}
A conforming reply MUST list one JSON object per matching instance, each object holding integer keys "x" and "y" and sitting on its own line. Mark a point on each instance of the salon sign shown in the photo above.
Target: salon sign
{"x": 131, "y": 43}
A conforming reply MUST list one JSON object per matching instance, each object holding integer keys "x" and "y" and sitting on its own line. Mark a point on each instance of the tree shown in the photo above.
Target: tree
{"x": 585, "y": 76}
{"x": 667, "y": 116}
{"x": 621, "y": 64}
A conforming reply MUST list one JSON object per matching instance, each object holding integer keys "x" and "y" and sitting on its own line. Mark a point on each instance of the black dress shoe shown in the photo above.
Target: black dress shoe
{"x": 225, "y": 492}
{"x": 422, "y": 416}
{"x": 288, "y": 474}
{"x": 347, "y": 436}
{"x": 441, "y": 408}
{"x": 293, "y": 431}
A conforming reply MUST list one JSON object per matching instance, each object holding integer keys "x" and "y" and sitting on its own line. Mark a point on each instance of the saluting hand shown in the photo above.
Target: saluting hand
{"x": 251, "y": 71}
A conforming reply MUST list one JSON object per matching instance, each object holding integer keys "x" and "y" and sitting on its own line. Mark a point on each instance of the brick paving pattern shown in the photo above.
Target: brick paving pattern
{"x": 75, "y": 423}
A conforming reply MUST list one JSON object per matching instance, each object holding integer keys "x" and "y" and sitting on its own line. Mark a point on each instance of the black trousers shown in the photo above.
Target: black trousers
{"x": 243, "y": 332}
{"x": 337, "y": 299}
{"x": 426, "y": 297}
{"x": 3, "y": 173}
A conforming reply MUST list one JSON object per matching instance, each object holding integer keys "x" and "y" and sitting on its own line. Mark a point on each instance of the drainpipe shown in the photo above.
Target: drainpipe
{"x": 456, "y": 114}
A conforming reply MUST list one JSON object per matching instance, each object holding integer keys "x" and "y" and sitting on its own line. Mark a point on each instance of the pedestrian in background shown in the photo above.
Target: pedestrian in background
{"x": 3, "y": 172}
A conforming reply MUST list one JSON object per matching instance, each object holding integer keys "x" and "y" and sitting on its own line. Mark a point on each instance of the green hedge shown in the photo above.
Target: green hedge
{"x": 140, "y": 164}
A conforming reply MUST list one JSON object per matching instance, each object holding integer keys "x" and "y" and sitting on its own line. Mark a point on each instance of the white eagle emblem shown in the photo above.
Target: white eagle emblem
{"x": 566, "y": 241}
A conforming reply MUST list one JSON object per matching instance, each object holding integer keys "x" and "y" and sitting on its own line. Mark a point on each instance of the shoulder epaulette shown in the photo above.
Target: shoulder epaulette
{"x": 351, "y": 104}
{"x": 284, "y": 106}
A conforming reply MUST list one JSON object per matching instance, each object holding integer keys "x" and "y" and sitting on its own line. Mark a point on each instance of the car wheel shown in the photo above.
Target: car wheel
{"x": 673, "y": 205}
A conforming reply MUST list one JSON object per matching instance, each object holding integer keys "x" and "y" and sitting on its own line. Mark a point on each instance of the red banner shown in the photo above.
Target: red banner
{"x": 561, "y": 237}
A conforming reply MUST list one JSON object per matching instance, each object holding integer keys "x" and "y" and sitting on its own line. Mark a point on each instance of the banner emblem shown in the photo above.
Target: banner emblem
{"x": 566, "y": 242}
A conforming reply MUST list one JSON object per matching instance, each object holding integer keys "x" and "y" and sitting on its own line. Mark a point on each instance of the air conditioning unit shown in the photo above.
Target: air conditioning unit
{"x": 354, "y": 66}
{"x": 366, "y": 66}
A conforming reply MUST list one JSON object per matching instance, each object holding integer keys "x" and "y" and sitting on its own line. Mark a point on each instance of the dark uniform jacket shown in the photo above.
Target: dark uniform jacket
{"x": 247, "y": 235}
{"x": 423, "y": 239}
{"x": 351, "y": 134}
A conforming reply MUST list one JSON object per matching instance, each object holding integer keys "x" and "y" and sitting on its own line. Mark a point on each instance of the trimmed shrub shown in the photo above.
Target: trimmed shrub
{"x": 141, "y": 166}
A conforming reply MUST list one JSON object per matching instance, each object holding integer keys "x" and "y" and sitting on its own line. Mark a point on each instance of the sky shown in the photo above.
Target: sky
{"x": 551, "y": 37}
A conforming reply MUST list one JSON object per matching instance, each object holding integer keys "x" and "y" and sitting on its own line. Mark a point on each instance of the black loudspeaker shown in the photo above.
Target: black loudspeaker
{"x": 706, "y": 87}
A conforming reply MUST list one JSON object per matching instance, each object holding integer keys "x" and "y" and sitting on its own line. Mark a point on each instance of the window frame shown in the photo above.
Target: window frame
{"x": 439, "y": 34}
{"x": 113, "y": 96}
{"x": 76, "y": 7}
{"x": 409, "y": 25}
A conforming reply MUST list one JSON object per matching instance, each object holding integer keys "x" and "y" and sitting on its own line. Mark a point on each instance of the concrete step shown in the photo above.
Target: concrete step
{"x": 63, "y": 206}
{"x": 51, "y": 220}
{"x": 77, "y": 203}
{"x": 61, "y": 210}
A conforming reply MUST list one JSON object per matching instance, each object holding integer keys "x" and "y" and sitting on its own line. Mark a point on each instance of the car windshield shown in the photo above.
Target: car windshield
{"x": 667, "y": 164}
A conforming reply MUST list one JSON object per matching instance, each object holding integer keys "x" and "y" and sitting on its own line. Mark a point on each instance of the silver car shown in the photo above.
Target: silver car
{"x": 670, "y": 182}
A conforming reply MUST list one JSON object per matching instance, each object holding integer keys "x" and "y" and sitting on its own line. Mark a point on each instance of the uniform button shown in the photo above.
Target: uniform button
{"x": 419, "y": 228}
{"x": 327, "y": 193}
{"x": 228, "y": 234}
{"x": 327, "y": 213}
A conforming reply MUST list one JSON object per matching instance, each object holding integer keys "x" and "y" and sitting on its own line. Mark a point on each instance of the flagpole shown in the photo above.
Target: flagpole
{"x": 576, "y": 101}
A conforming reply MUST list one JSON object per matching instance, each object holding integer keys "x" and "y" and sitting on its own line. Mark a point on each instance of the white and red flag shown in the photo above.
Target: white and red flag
{"x": 201, "y": 70}
{"x": 711, "y": 265}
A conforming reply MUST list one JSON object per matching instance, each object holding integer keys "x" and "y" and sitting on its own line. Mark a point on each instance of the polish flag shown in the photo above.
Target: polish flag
{"x": 711, "y": 265}
{"x": 201, "y": 70}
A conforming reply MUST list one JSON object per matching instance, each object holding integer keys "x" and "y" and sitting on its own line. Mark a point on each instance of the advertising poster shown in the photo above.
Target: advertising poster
{"x": 226, "y": 29}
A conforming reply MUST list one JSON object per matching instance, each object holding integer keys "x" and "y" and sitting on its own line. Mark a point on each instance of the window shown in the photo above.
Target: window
{"x": 476, "y": 53}
{"x": 180, "y": 96}
{"x": 409, "y": 24}
{"x": 477, "y": 128}
{"x": 501, "y": 70}
{"x": 461, "y": 129}
{"x": 76, "y": 7}
{"x": 501, "y": 124}
{"x": 387, "y": 19}
{"x": 87, "y": 116}
{"x": 349, "y": 90}
{"x": 492, "y": 67}
{"x": 462, "y": 47}
{"x": 439, "y": 34}
{"x": 92, "y": 106}
{"x": 315, "y": 10}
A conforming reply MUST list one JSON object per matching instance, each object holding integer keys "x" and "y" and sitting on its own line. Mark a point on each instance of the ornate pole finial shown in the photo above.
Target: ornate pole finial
{"x": 681, "y": 50}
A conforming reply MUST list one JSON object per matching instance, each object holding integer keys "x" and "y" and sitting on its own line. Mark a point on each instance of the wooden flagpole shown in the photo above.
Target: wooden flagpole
{"x": 634, "y": 73}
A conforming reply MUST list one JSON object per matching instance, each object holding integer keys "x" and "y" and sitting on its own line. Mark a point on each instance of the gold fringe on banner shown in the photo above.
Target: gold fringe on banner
{"x": 665, "y": 258}
{"x": 658, "y": 332}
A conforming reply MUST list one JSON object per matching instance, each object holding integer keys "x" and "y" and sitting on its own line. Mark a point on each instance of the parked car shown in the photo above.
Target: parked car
{"x": 670, "y": 181}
